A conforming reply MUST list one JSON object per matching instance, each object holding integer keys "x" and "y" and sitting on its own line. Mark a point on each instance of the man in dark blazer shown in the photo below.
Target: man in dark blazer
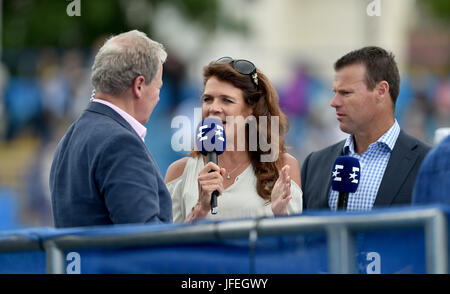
{"x": 102, "y": 172}
{"x": 366, "y": 87}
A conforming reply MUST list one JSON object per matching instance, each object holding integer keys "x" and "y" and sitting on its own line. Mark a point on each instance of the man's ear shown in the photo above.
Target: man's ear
{"x": 382, "y": 91}
{"x": 138, "y": 82}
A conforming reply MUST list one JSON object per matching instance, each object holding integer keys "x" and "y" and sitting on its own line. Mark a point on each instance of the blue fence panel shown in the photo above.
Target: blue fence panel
{"x": 230, "y": 257}
{"x": 23, "y": 262}
{"x": 24, "y": 254}
{"x": 292, "y": 254}
{"x": 218, "y": 256}
{"x": 400, "y": 251}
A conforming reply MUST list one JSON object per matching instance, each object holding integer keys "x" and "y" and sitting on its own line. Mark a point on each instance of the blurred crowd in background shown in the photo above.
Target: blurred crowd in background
{"x": 43, "y": 89}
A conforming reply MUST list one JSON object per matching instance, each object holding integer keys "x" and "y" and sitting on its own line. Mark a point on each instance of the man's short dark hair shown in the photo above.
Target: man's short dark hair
{"x": 380, "y": 66}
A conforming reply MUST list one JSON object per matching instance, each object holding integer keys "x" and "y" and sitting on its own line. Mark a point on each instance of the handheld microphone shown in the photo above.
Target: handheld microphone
{"x": 211, "y": 142}
{"x": 345, "y": 178}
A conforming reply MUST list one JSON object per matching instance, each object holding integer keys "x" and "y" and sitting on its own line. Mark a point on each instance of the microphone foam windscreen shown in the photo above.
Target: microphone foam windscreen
{"x": 210, "y": 136}
{"x": 345, "y": 174}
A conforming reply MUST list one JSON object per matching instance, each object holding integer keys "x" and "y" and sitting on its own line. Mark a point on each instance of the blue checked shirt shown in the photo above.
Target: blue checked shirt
{"x": 373, "y": 164}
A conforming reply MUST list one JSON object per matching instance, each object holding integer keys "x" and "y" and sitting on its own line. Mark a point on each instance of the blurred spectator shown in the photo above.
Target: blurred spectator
{"x": 38, "y": 205}
{"x": 4, "y": 76}
{"x": 23, "y": 106}
{"x": 443, "y": 102}
{"x": 9, "y": 210}
{"x": 432, "y": 183}
{"x": 174, "y": 74}
{"x": 404, "y": 100}
{"x": 294, "y": 101}
{"x": 189, "y": 103}
{"x": 55, "y": 87}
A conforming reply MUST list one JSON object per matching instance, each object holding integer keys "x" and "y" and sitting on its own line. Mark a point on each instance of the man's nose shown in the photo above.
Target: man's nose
{"x": 335, "y": 102}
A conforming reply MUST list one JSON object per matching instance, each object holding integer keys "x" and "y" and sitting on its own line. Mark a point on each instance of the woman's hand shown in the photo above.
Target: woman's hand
{"x": 209, "y": 179}
{"x": 281, "y": 192}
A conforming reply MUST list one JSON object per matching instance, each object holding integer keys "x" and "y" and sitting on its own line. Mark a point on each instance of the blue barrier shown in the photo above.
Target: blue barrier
{"x": 399, "y": 252}
{"x": 394, "y": 240}
{"x": 9, "y": 210}
{"x": 21, "y": 251}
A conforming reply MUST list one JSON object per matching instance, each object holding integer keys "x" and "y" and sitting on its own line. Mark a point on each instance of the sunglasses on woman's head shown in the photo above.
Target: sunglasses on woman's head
{"x": 242, "y": 66}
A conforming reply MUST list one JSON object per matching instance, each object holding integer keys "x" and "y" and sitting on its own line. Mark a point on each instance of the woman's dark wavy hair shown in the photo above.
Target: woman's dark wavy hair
{"x": 264, "y": 101}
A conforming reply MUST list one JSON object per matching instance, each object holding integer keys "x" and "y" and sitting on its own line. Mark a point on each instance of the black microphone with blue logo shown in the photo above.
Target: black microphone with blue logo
{"x": 345, "y": 178}
{"x": 211, "y": 142}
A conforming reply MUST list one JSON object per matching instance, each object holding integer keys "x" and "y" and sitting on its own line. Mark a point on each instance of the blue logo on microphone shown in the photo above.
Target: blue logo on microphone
{"x": 355, "y": 174}
{"x": 345, "y": 175}
{"x": 210, "y": 136}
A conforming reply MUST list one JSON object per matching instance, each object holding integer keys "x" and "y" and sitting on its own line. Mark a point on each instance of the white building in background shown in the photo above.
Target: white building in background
{"x": 315, "y": 31}
{"x": 283, "y": 32}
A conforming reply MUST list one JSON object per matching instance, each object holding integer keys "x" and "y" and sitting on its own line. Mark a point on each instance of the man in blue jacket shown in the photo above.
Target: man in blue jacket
{"x": 102, "y": 172}
{"x": 433, "y": 180}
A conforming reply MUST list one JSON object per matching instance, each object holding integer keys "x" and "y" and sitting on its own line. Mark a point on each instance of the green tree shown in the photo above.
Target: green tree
{"x": 440, "y": 9}
{"x": 43, "y": 23}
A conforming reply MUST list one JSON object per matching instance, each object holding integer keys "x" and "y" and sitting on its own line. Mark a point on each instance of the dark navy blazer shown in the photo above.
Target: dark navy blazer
{"x": 395, "y": 187}
{"x": 103, "y": 173}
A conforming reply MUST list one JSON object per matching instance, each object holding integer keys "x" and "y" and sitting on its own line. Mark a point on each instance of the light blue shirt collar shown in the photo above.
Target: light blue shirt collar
{"x": 388, "y": 140}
